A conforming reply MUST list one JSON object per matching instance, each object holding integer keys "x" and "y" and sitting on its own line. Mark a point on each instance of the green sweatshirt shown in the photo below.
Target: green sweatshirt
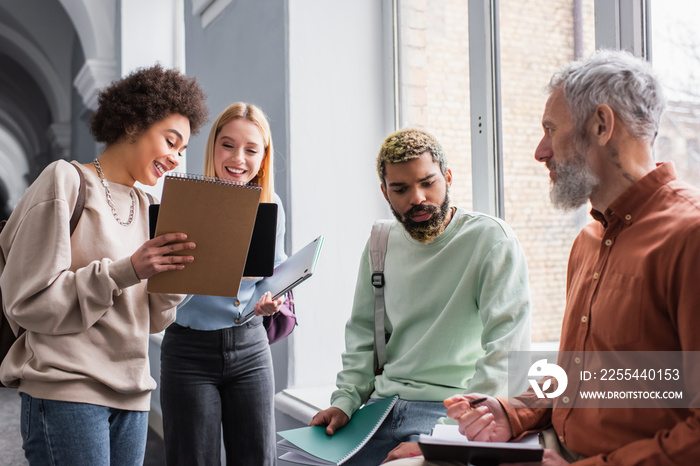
{"x": 455, "y": 307}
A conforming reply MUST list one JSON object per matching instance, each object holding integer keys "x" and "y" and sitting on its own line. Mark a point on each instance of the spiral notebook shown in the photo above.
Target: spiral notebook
{"x": 311, "y": 445}
{"x": 218, "y": 216}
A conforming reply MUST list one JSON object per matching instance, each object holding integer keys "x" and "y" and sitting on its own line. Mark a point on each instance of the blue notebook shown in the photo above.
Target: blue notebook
{"x": 311, "y": 445}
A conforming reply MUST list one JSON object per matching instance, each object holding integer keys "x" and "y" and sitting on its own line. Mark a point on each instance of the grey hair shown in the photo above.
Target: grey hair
{"x": 618, "y": 79}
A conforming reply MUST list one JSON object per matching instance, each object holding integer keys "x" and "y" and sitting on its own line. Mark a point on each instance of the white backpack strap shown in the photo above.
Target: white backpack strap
{"x": 377, "y": 251}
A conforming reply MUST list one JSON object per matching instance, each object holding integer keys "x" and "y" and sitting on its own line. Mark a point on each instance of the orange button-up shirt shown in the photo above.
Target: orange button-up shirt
{"x": 633, "y": 284}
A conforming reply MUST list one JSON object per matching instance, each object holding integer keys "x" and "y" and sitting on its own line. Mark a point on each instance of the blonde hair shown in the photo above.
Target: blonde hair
{"x": 264, "y": 178}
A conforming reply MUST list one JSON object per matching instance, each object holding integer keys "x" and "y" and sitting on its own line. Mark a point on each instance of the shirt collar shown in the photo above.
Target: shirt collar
{"x": 628, "y": 204}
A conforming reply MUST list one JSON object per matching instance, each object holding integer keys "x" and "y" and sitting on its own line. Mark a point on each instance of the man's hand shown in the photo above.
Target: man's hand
{"x": 333, "y": 418}
{"x": 404, "y": 450}
{"x": 485, "y": 422}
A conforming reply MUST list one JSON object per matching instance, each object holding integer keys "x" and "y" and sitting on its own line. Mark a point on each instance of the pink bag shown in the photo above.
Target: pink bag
{"x": 281, "y": 323}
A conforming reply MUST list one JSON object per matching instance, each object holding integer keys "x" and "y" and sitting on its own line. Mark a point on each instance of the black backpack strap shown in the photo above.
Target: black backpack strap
{"x": 79, "y": 202}
{"x": 75, "y": 218}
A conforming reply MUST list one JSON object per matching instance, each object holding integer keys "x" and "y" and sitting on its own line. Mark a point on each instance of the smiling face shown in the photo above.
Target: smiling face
{"x": 564, "y": 153}
{"x": 418, "y": 194}
{"x": 158, "y": 149}
{"x": 238, "y": 151}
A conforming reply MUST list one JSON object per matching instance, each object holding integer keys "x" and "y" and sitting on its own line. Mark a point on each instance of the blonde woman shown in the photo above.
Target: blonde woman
{"x": 214, "y": 372}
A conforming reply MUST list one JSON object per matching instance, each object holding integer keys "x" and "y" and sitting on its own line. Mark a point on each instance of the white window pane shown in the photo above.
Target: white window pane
{"x": 536, "y": 39}
{"x": 434, "y": 81}
{"x": 676, "y": 58}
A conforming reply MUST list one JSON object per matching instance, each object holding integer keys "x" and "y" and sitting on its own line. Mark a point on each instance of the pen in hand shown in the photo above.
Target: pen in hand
{"x": 474, "y": 403}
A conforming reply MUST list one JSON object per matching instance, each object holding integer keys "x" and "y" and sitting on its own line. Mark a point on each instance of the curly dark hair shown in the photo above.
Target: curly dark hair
{"x": 143, "y": 98}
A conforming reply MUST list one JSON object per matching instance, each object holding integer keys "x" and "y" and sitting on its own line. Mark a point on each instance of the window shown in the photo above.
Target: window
{"x": 433, "y": 51}
{"x": 434, "y": 94}
{"x": 437, "y": 89}
{"x": 535, "y": 42}
{"x": 676, "y": 58}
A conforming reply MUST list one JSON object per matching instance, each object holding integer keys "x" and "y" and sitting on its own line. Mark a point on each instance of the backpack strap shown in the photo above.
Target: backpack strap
{"x": 377, "y": 250}
{"x": 74, "y": 219}
{"x": 79, "y": 202}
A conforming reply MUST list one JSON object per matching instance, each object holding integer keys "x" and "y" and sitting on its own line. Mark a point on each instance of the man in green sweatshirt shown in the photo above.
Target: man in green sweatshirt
{"x": 456, "y": 302}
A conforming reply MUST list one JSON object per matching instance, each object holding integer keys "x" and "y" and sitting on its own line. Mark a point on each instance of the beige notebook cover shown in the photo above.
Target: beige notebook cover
{"x": 219, "y": 217}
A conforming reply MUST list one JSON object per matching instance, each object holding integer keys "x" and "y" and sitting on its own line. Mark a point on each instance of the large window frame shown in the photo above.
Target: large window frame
{"x": 621, "y": 24}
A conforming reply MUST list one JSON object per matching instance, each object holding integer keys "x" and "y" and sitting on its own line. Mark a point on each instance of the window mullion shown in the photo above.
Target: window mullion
{"x": 484, "y": 78}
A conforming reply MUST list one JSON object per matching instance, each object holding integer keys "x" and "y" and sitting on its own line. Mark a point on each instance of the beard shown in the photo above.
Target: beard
{"x": 575, "y": 180}
{"x": 430, "y": 229}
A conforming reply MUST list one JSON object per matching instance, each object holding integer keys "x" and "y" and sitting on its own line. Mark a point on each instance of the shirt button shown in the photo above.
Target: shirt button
{"x": 595, "y": 276}
{"x": 584, "y": 319}
{"x": 236, "y": 303}
{"x": 577, "y": 360}
{"x": 628, "y": 217}
{"x": 566, "y": 401}
{"x": 608, "y": 242}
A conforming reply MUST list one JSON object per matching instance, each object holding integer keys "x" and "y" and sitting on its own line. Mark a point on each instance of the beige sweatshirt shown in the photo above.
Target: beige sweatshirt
{"x": 86, "y": 313}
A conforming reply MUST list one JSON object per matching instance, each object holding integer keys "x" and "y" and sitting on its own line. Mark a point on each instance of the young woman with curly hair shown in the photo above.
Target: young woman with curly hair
{"x": 81, "y": 365}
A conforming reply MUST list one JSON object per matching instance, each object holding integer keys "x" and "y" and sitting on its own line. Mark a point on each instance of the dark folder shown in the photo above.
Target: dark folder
{"x": 482, "y": 454}
{"x": 261, "y": 253}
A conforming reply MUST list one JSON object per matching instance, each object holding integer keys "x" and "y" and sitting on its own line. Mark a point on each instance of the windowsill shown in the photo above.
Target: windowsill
{"x": 303, "y": 403}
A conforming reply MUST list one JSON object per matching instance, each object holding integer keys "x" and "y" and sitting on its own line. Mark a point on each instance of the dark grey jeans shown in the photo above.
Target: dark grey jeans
{"x": 214, "y": 379}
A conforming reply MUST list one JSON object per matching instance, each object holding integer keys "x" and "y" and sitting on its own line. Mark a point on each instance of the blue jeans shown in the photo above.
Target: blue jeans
{"x": 406, "y": 421}
{"x": 214, "y": 379}
{"x": 63, "y": 433}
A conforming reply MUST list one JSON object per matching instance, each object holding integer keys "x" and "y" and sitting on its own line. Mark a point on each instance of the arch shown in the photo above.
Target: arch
{"x": 17, "y": 124}
{"x": 34, "y": 61}
{"x": 95, "y": 25}
{"x": 13, "y": 168}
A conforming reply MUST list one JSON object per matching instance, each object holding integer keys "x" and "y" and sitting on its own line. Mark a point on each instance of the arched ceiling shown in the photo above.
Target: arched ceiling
{"x": 44, "y": 44}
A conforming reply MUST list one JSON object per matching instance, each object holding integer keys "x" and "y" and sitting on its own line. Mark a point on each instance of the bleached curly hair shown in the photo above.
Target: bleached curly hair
{"x": 408, "y": 144}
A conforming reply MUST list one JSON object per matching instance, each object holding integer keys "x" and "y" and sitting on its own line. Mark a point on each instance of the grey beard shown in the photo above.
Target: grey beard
{"x": 574, "y": 184}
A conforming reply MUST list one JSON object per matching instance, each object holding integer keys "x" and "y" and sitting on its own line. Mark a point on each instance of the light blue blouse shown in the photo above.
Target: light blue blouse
{"x": 217, "y": 312}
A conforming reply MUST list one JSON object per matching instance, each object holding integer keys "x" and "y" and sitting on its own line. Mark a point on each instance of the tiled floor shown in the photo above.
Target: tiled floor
{"x": 11, "y": 453}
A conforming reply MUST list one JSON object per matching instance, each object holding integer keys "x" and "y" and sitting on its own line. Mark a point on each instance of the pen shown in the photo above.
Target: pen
{"x": 476, "y": 402}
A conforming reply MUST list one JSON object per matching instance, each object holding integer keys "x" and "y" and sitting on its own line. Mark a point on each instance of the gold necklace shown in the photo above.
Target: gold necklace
{"x": 110, "y": 201}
